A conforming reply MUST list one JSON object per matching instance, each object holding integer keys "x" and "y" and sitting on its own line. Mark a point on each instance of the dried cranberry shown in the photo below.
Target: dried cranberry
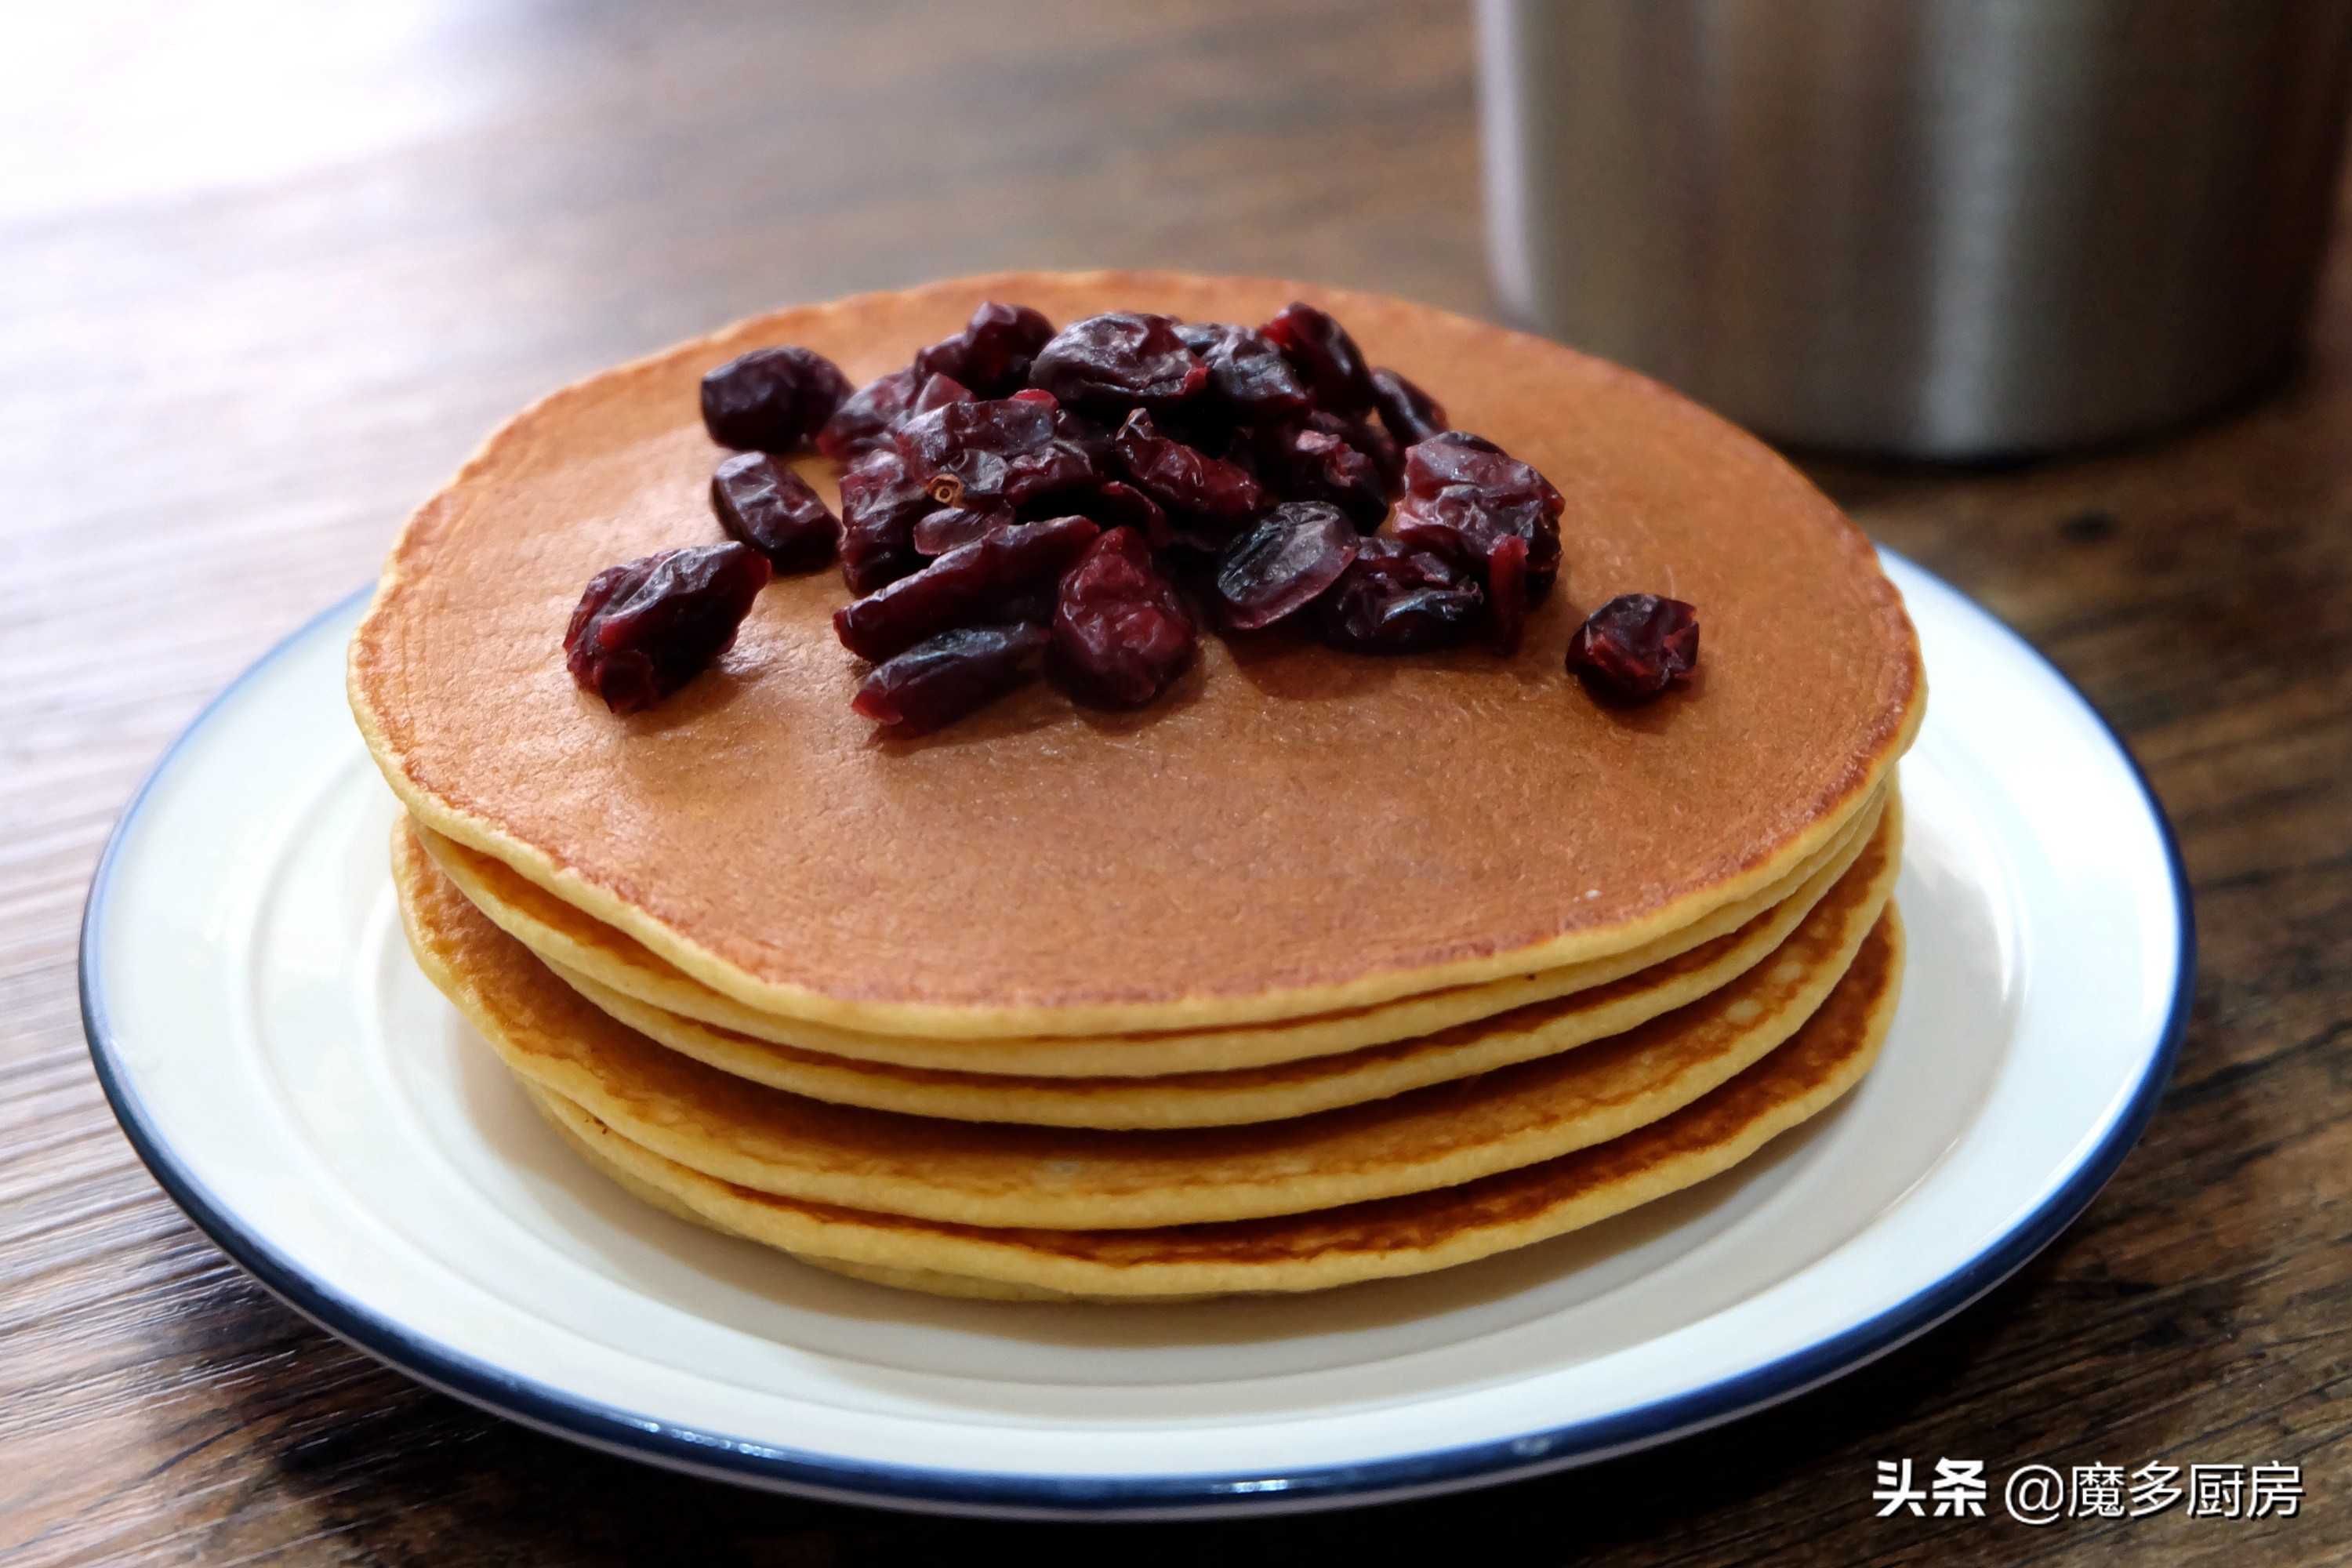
{"x": 645, "y": 628}
{"x": 1507, "y": 592}
{"x": 1204, "y": 425}
{"x": 969, "y": 583}
{"x": 1314, "y": 462}
{"x": 762, "y": 501}
{"x": 1460, "y": 498}
{"x": 863, "y": 423}
{"x": 1325, "y": 355}
{"x": 942, "y": 531}
{"x": 940, "y": 681}
{"x": 1202, "y": 492}
{"x": 993, "y": 354}
{"x": 1635, "y": 645}
{"x": 1006, "y": 449}
{"x": 868, "y": 420}
{"x": 1296, "y": 552}
{"x": 1247, "y": 375}
{"x": 1038, "y": 605}
{"x": 937, "y": 392}
{"x": 1121, "y": 634}
{"x": 881, "y": 502}
{"x": 772, "y": 400}
{"x": 1114, "y": 503}
{"x": 1410, "y": 414}
{"x": 1089, "y": 435}
{"x": 1395, "y": 599}
{"x": 1118, "y": 360}
{"x": 1388, "y": 458}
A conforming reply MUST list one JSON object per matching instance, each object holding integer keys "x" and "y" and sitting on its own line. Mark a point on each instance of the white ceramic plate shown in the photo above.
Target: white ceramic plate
{"x": 317, "y": 1108}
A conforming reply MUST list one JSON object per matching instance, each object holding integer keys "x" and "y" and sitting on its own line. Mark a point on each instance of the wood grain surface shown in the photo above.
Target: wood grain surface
{"x": 268, "y": 271}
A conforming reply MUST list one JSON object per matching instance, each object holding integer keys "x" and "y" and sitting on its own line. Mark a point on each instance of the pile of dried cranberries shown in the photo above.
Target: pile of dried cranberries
{"x": 1019, "y": 494}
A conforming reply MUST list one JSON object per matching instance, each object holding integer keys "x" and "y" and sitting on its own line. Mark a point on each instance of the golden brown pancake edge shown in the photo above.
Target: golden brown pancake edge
{"x": 1387, "y": 1239}
{"x": 1000, "y": 1174}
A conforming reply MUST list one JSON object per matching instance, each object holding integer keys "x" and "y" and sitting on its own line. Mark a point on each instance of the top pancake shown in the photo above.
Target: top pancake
{"x": 1290, "y": 830}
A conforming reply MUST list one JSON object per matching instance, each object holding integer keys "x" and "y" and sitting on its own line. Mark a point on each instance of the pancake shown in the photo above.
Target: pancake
{"x": 615, "y": 970}
{"x": 1384, "y": 1239}
{"x": 1830, "y": 902}
{"x": 1290, "y": 831}
{"x": 1002, "y": 1174}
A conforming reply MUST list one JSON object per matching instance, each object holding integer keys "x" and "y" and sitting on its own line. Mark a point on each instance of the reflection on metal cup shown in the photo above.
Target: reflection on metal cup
{"x": 1943, "y": 228}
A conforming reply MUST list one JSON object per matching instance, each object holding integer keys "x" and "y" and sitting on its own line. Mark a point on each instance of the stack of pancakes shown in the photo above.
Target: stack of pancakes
{"x": 1326, "y": 968}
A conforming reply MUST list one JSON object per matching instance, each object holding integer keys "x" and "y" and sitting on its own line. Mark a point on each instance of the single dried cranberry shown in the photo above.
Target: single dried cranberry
{"x": 1410, "y": 414}
{"x": 881, "y": 502}
{"x": 937, "y": 392}
{"x": 993, "y": 354}
{"x": 1314, "y": 462}
{"x": 969, "y": 583}
{"x": 1005, "y": 449}
{"x": 1395, "y": 599}
{"x": 1118, "y": 360}
{"x": 863, "y": 423}
{"x": 1247, "y": 375}
{"x": 940, "y": 681}
{"x": 1296, "y": 552}
{"x": 772, "y": 400}
{"x": 1507, "y": 592}
{"x": 1460, "y": 498}
{"x": 942, "y": 531}
{"x": 645, "y": 628}
{"x": 761, "y": 501}
{"x": 1200, "y": 492}
{"x": 1635, "y": 645}
{"x": 1121, "y": 634}
{"x": 1325, "y": 355}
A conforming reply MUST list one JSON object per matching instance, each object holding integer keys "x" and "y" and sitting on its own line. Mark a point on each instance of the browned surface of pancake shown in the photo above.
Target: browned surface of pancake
{"x": 1000, "y": 1174}
{"x": 1382, "y": 1239}
{"x": 1289, "y": 830}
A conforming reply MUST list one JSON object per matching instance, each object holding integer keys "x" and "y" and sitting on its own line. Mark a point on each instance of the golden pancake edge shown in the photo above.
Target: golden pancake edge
{"x": 1389, "y": 1238}
{"x": 1000, "y": 1175}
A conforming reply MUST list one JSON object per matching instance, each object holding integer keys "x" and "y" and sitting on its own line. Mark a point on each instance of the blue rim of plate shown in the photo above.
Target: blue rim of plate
{"x": 823, "y": 1476}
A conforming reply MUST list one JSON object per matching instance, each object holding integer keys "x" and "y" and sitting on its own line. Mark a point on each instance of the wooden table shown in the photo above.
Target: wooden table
{"x": 265, "y": 279}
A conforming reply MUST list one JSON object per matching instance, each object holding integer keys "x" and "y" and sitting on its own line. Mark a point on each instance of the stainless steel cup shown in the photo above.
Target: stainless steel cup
{"x": 1944, "y": 229}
